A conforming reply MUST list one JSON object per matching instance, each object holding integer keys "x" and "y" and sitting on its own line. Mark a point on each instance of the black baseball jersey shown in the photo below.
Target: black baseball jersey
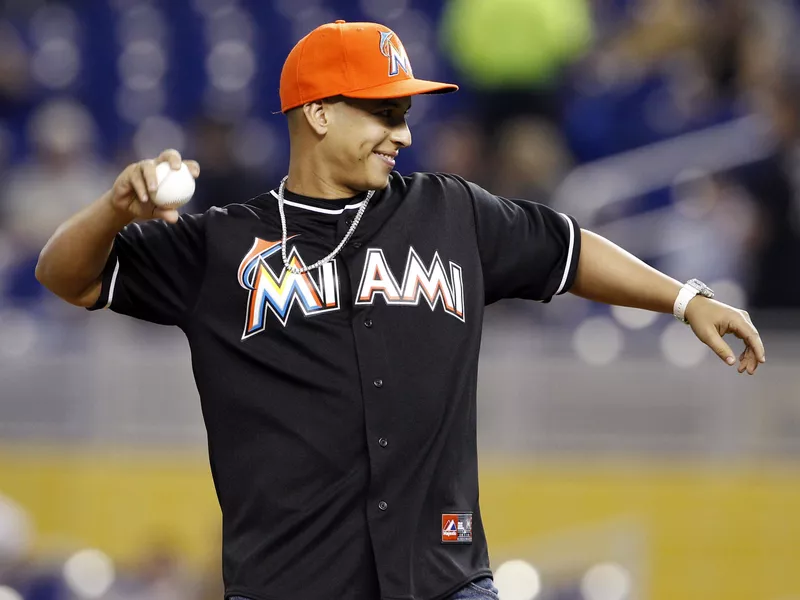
{"x": 340, "y": 403}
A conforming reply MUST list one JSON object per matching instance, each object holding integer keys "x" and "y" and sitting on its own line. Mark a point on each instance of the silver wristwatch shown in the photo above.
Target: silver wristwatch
{"x": 690, "y": 289}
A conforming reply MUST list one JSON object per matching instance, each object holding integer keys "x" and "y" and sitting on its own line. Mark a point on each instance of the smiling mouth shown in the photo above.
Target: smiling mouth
{"x": 389, "y": 159}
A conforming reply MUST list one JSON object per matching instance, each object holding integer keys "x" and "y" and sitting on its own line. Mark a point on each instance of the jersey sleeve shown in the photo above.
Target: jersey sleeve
{"x": 527, "y": 249}
{"x": 155, "y": 270}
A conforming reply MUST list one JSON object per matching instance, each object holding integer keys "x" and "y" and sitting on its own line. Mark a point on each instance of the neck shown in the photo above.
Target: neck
{"x": 311, "y": 176}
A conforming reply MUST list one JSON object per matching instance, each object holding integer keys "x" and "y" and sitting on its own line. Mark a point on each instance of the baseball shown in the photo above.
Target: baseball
{"x": 175, "y": 188}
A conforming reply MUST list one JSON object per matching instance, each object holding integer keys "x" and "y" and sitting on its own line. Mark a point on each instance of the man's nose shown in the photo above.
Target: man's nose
{"x": 401, "y": 135}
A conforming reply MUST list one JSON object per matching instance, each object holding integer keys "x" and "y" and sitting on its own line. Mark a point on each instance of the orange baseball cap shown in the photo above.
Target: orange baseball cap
{"x": 357, "y": 60}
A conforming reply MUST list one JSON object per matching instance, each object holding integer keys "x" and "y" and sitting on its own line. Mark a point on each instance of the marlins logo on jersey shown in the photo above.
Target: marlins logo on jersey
{"x": 278, "y": 293}
{"x": 319, "y": 292}
{"x": 392, "y": 48}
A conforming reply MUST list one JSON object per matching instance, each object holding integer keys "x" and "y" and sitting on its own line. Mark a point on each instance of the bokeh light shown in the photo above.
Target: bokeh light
{"x": 142, "y": 65}
{"x": 598, "y": 341}
{"x": 7, "y": 593}
{"x": 680, "y": 346}
{"x": 383, "y": 10}
{"x": 606, "y": 581}
{"x": 19, "y": 333}
{"x": 89, "y": 573}
{"x": 16, "y": 526}
{"x": 229, "y": 23}
{"x": 730, "y": 292}
{"x": 136, "y": 105}
{"x": 56, "y": 63}
{"x": 231, "y": 65}
{"x": 254, "y": 143}
{"x": 155, "y": 134}
{"x": 53, "y": 21}
{"x": 634, "y": 318}
{"x": 517, "y": 580}
{"x": 141, "y": 22}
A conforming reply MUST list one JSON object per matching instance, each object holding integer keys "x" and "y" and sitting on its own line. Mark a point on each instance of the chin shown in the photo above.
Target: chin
{"x": 378, "y": 182}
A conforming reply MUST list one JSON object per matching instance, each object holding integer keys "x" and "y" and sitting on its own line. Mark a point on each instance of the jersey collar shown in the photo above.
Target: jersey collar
{"x": 320, "y": 205}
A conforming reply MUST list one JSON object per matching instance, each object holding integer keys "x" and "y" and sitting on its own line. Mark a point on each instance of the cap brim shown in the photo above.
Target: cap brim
{"x": 403, "y": 88}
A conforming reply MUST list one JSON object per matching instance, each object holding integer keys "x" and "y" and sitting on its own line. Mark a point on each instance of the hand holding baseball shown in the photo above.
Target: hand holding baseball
{"x": 136, "y": 192}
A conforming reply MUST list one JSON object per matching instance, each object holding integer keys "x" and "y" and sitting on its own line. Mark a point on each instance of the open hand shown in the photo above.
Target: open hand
{"x": 711, "y": 320}
{"x": 132, "y": 189}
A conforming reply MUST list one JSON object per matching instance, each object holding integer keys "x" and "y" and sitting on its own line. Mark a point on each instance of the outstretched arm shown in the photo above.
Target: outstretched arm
{"x": 609, "y": 274}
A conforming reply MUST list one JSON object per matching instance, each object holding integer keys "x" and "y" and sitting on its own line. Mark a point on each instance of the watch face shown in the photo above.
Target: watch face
{"x": 701, "y": 288}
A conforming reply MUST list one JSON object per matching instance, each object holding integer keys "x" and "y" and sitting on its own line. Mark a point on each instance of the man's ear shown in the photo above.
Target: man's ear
{"x": 317, "y": 115}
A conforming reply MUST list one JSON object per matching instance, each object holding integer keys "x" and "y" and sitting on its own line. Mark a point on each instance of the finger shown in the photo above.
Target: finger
{"x": 138, "y": 184}
{"x": 713, "y": 340}
{"x": 122, "y": 186}
{"x": 170, "y": 215}
{"x": 194, "y": 168}
{"x": 746, "y": 360}
{"x": 752, "y": 361}
{"x": 745, "y": 331}
{"x": 149, "y": 173}
{"x": 172, "y": 156}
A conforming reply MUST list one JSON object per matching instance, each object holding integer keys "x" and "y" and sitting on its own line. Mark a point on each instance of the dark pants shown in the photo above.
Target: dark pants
{"x": 480, "y": 589}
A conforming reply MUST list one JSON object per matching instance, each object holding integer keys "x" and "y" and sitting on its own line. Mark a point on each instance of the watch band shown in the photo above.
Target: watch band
{"x": 682, "y": 301}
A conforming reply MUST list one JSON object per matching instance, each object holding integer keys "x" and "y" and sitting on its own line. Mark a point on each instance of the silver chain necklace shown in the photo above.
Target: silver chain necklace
{"x": 332, "y": 255}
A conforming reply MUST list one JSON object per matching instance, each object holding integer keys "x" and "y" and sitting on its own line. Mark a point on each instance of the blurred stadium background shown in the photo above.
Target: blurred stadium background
{"x": 620, "y": 460}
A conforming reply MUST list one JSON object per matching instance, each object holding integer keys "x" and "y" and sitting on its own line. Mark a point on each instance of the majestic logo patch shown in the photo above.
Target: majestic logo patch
{"x": 392, "y": 48}
{"x": 419, "y": 281}
{"x": 457, "y": 528}
{"x": 277, "y": 293}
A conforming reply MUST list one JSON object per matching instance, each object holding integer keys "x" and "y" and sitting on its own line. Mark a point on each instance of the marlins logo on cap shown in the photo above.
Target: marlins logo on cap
{"x": 398, "y": 59}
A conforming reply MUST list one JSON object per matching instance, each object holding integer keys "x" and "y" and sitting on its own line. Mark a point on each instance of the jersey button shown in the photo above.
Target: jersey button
{"x": 368, "y": 323}
{"x": 348, "y": 222}
{"x": 356, "y": 245}
{"x": 382, "y": 505}
{"x": 383, "y": 442}
{"x": 378, "y": 383}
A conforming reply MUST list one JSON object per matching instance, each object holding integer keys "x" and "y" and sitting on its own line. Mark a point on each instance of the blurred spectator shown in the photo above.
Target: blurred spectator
{"x": 14, "y": 74}
{"x": 458, "y": 149}
{"x": 710, "y": 230}
{"x": 770, "y": 82}
{"x": 513, "y": 52}
{"x": 775, "y": 185}
{"x": 60, "y": 178}
{"x": 659, "y": 68}
{"x": 531, "y": 160}
{"x": 222, "y": 180}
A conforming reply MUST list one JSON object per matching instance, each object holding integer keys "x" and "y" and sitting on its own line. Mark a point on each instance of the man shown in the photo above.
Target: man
{"x": 335, "y": 324}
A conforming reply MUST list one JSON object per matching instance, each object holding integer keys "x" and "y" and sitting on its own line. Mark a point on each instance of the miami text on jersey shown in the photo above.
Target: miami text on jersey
{"x": 418, "y": 282}
{"x": 278, "y": 293}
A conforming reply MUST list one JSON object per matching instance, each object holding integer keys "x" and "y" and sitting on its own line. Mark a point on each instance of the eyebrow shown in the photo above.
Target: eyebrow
{"x": 393, "y": 104}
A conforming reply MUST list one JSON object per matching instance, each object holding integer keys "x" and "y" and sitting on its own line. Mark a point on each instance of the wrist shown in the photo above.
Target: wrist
{"x": 118, "y": 217}
{"x": 687, "y": 297}
{"x": 693, "y": 306}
